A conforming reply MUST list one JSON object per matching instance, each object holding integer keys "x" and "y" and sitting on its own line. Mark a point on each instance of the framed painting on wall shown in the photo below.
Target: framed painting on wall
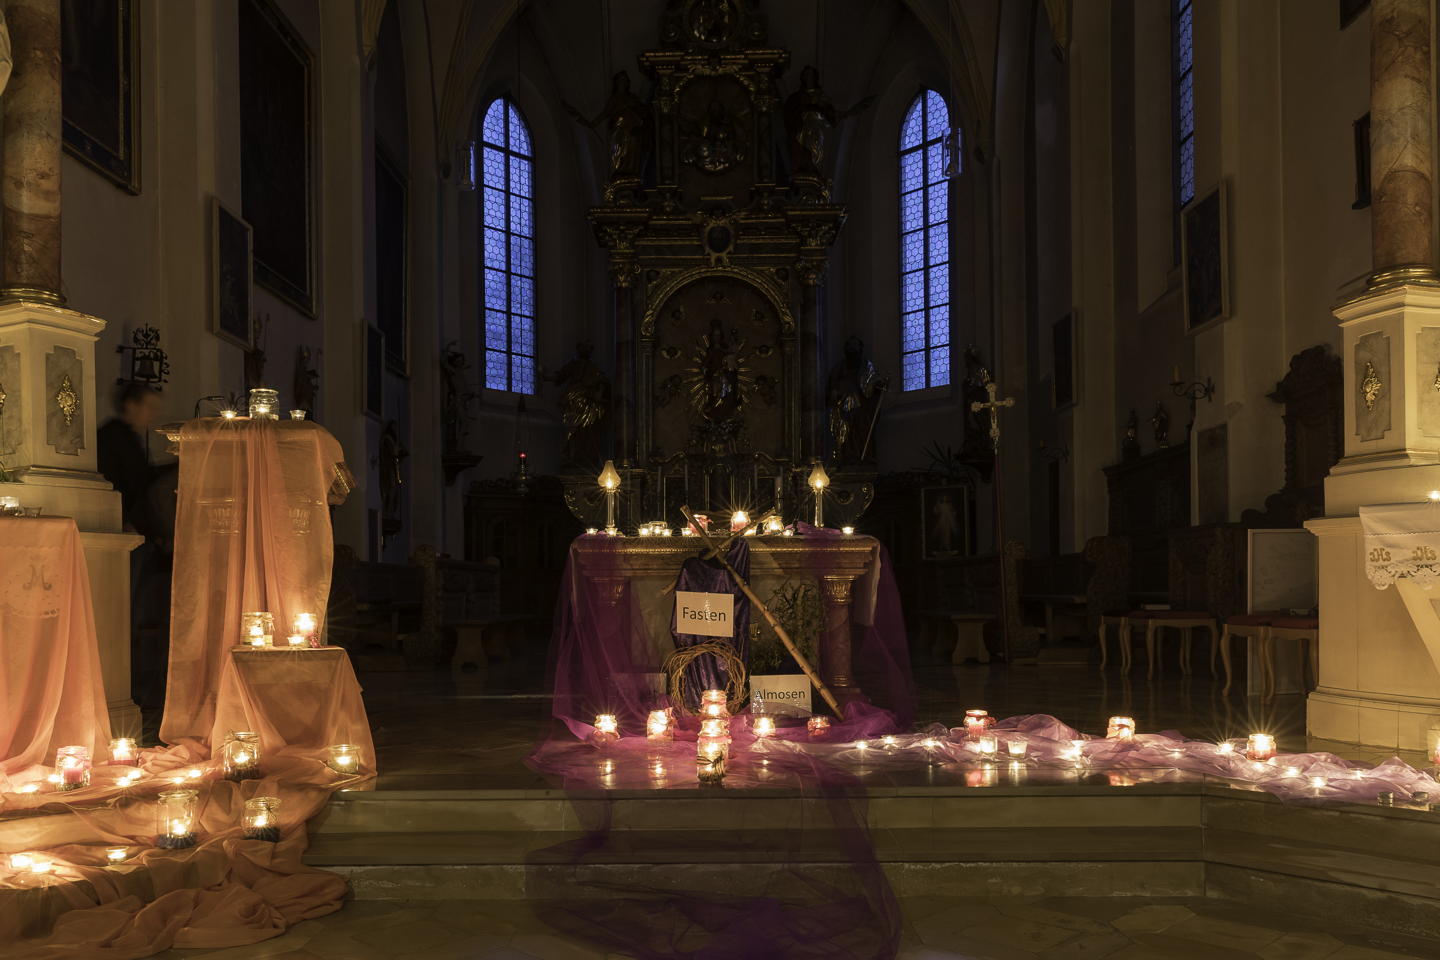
{"x": 231, "y": 276}
{"x": 1204, "y": 256}
{"x": 276, "y": 154}
{"x": 945, "y": 521}
{"x": 97, "y": 87}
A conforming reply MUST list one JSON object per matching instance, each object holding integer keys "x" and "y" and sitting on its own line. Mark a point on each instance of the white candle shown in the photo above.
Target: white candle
{"x": 116, "y": 854}
{"x": 764, "y": 727}
{"x": 1016, "y": 748}
{"x": 1260, "y": 747}
{"x": 848, "y": 531}
{"x": 296, "y": 640}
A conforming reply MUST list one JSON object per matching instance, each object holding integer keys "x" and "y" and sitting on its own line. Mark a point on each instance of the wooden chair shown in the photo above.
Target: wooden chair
{"x": 1116, "y": 620}
{"x": 1186, "y": 621}
{"x": 1305, "y": 630}
{"x": 1253, "y": 628}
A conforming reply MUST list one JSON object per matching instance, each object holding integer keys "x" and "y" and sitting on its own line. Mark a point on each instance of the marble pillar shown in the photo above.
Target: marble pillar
{"x": 31, "y": 183}
{"x": 1401, "y": 161}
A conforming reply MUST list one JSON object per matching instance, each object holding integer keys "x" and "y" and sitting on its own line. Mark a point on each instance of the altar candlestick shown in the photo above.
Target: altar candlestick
{"x": 609, "y": 480}
{"x": 1260, "y": 747}
{"x": 818, "y": 481}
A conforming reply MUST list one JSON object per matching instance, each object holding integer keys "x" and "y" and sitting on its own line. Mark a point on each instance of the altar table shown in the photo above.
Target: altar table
{"x": 51, "y": 692}
{"x": 844, "y": 567}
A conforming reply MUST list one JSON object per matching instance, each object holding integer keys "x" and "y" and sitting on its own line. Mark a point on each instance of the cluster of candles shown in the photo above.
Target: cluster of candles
{"x": 712, "y": 746}
{"x": 10, "y": 507}
{"x": 257, "y": 629}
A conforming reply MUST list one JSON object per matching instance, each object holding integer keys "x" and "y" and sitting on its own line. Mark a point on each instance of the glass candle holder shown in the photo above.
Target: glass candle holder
{"x": 607, "y": 727}
{"x": 72, "y": 766}
{"x": 713, "y": 703}
{"x": 764, "y": 727}
{"x": 240, "y": 756}
{"x": 1260, "y": 747}
{"x": 297, "y": 414}
{"x": 710, "y": 760}
{"x": 988, "y": 745}
{"x": 117, "y": 854}
{"x": 296, "y": 641}
{"x": 848, "y": 531}
{"x": 701, "y": 520}
{"x": 264, "y": 403}
{"x": 715, "y": 727}
{"x": 976, "y": 721}
{"x": 706, "y": 747}
{"x": 344, "y": 758}
{"x": 175, "y": 816}
{"x": 657, "y": 725}
{"x": 774, "y": 524}
{"x": 9, "y": 506}
{"x": 1120, "y": 728}
{"x": 817, "y": 726}
{"x": 260, "y": 820}
{"x": 1016, "y": 748}
{"x": 257, "y": 628}
{"x": 739, "y": 520}
{"x": 123, "y": 751}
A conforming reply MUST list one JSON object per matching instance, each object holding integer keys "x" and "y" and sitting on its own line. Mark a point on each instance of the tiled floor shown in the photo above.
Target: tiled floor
{"x": 931, "y": 929}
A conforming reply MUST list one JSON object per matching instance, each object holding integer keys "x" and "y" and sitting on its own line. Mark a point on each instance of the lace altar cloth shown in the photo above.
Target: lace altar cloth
{"x": 1402, "y": 541}
{"x": 51, "y": 690}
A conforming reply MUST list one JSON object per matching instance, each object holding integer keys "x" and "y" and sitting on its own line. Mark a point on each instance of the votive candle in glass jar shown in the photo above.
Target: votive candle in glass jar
{"x": 710, "y": 762}
{"x": 715, "y": 727}
{"x": 764, "y": 727}
{"x": 344, "y": 758}
{"x": 306, "y": 624}
{"x": 175, "y": 814}
{"x": 1260, "y": 747}
{"x": 9, "y": 506}
{"x": 117, "y": 854}
{"x": 264, "y": 403}
{"x": 260, "y": 820}
{"x": 1016, "y": 748}
{"x": 257, "y": 628}
{"x": 72, "y": 766}
{"x": 817, "y": 726}
{"x": 988, "y": 745}
{"x": 297, "y": 414}
{"x": 1120, "y": 728}
{"x": 607, "y": 727}
{"x": 240, "y": 755}
{"x": 713, "y": 703}
{"x": 975, "y": 722}
{"x": 708, "y": 746}
{"x": 123, "y": 751}
{"x": 657, "y": 725}
{"x": 739, "y": 520}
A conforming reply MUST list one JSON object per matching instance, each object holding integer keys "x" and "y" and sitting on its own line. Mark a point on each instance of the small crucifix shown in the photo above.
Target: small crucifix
{"x": 993, "y": 406}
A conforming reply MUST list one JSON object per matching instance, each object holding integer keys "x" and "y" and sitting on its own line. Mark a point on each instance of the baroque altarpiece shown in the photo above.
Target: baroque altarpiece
{"x": 718, "y": 223}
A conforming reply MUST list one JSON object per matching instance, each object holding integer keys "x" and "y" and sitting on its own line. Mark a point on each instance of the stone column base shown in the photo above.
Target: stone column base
{"x": 1351, "y": 716}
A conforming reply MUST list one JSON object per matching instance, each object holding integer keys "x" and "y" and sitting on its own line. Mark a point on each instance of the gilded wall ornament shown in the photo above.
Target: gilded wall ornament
{"x": 1371, "y": 386}
{"x": 67, "y": 400}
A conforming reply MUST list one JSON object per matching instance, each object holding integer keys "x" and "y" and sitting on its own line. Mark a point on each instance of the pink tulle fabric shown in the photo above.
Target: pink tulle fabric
{"x": 51, "y": 691}
{"x": 252, "y": 533}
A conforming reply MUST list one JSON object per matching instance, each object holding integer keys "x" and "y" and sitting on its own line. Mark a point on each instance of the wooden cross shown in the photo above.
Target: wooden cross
{"x": 994, "y": 407}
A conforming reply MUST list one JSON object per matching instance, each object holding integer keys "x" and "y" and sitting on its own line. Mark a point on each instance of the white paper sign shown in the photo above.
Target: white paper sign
{"x": 706, "y": 614}
{"x": 786, "y": 694}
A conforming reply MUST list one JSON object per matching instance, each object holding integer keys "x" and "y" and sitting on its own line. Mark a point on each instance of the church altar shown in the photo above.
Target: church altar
{"x": 51, "y": 693}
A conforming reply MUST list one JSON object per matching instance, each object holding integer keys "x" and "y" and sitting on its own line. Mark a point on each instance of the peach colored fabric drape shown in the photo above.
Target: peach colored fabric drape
{"x": 252, "y": 532}
{"x": 51, "y": 692}
{"x": 295, "y": 699}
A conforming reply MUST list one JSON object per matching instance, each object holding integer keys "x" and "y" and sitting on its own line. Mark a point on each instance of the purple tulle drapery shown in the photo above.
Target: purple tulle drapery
{"x": 708, "y": 576}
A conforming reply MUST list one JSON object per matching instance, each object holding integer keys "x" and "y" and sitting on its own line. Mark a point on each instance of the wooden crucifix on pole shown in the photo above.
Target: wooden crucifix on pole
{"x": 993, "y": 406}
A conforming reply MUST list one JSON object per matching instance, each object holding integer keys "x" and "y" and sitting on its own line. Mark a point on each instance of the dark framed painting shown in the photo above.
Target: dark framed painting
{"x": 97, "y": 87}
{"x": 276, "y": 153}
{"x": 374, "y": 371}
{"x": 231, "y": 276}
{"x": 1062, "y": 343}
{"x": 1204, "y": 255}
{"x": 945, "y": 522}
{"x": 391, "y": 252}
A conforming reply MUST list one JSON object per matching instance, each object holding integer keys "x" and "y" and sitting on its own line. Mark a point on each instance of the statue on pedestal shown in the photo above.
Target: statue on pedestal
{"x": 626, "y": 119}
{"x": 584, "y": 401}
{"x": 809, "y": 115}
{"x": 853, "y": 393}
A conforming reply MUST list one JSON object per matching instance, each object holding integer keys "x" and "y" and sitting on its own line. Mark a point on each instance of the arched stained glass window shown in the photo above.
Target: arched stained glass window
{"x": 924, "y": 245}
{"x": 507, "y": 212}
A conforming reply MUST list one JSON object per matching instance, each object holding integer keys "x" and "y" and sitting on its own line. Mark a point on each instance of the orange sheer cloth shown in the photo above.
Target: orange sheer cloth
{"x": 51, "y": 692}
{"x": 252, "y": 533}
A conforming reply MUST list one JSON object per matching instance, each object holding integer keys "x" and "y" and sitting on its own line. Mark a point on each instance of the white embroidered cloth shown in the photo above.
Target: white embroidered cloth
{"x": 1401, "y": 540}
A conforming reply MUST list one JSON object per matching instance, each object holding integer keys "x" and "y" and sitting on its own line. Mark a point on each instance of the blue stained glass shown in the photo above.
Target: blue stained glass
{"x": 912, "y": 131}
{"x": 519, "y": 133}
{"x": 492, "y": 163}
{"x": 1187, "y": 105}
{"x": 912, "y": 210}
{"x": 522, "y": 256}
{"x": 522, "y": 295}
{"x": 939, "y": 285}
{"x": 521, "y": 374}
{"x": 520, "y": 216}
{"x": 939, "y": 366}
{"x": 912, "y": 331}
{"x": 912, "y": 371}
{"x": 493, "y": 202}
{"x": 493, "y": 129}
{"x": 937, "y": 115}
{"x": 1185, "y": 48}
{"x": 495, "y": 363}
{"x": 494, "y": 250}
{"x": 911, "y": 174}
{"x": 912, "y": 291}
{"x": 495, "y": 290}
{"x": 939, "y": 326}
{"x": 520, "y": 176}
{"x": 912, "y": 251}
{"x": 522, "y": 336}
{"x": 939, "y": 243}
{"x": 934, "y": 162}
{"x": 1187, "y": 171}
{"x": 496, "y": 329}
{"x": 938, "y": 203}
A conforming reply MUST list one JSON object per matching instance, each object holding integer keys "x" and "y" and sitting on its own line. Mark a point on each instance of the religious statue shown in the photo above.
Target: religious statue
{"x": 584, "y": 401}
{"x": 809, "y": 115}
{"x": 720, "y": 397}
{"x": 714, "y": 144}
{"x": 1130, "y": 446}
{"x": 626, "y": 119}
{"x": 458, "y": 395}
{"x": 975, "y": 446}
{"x": 392, "y": 455}
{"x": 1160, "y": 421}
{"x": 307, "y": 382}
{"x": 853, "y": 393}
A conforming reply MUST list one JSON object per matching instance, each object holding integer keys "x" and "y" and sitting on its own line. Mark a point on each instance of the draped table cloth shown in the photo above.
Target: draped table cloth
{"x": 51, "y": 692}
{"x": 1402, "y": 541}
{"x": 305, "y": 699}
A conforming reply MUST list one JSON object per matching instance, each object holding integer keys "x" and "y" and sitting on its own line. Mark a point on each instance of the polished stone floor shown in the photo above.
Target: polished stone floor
{"x": 936, "y": 928}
